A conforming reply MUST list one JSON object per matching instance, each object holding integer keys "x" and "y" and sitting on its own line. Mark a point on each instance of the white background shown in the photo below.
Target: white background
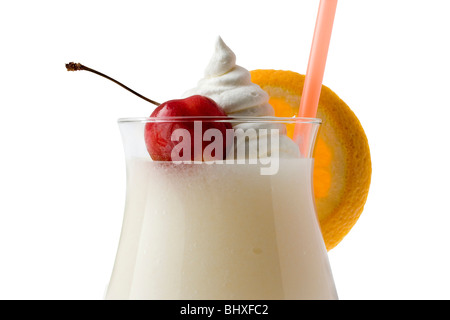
{"x": 62, "y": 175}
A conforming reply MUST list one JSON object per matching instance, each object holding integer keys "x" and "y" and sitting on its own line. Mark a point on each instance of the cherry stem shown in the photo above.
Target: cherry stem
{"x": 72, "y": 66}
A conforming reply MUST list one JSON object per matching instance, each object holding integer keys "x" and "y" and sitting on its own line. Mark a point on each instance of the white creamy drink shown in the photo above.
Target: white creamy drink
{"x": 230, "y": 230}
{"x": 220, "y": 232}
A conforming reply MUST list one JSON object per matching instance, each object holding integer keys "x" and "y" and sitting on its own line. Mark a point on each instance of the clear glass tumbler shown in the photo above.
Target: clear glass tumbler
{"x": 241, "y": 226}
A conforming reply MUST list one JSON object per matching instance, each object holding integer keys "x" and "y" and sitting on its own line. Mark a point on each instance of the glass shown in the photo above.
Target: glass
{"x": 240, "y": 228}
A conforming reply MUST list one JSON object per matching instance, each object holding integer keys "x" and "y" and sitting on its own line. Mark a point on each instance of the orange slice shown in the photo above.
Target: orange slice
{"x": 342, "y": 165}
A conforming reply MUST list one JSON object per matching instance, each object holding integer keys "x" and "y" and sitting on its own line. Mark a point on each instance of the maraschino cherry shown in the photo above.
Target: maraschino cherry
{"x": 158, "y": 135}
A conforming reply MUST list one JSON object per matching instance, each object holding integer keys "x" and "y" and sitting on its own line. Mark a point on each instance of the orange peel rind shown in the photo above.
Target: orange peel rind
{"x": 342, "y": 162}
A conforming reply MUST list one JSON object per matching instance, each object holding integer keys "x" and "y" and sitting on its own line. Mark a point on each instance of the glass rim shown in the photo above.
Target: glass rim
{"x": 244, "y": 119}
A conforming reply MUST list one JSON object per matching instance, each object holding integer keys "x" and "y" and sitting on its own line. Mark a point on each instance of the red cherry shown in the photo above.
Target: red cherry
{"x": 158, "y": 135}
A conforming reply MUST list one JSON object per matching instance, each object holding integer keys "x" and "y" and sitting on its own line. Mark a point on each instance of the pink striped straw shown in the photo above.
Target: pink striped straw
{"x": 317, "y": 60}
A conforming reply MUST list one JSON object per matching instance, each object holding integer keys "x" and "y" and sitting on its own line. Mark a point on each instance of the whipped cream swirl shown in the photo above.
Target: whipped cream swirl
{"x": 230, "y": 86}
